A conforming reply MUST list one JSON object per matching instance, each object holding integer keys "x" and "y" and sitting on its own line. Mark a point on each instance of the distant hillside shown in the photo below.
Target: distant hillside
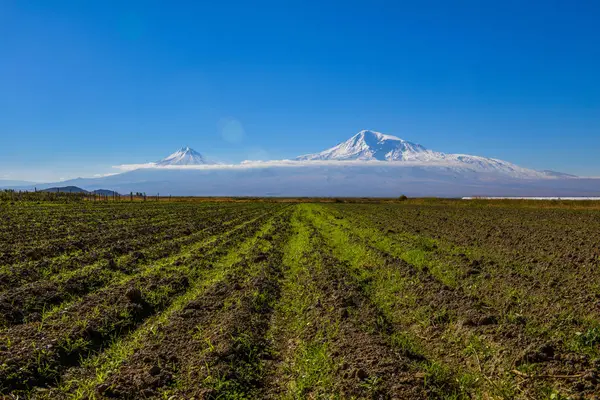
{"x": 65, "y": 189}
{"x": 76, "y": 189}
{"x": 105, "y": 192}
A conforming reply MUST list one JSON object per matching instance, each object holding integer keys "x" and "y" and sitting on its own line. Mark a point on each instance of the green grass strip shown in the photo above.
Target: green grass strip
{"x": 308, "y": 367}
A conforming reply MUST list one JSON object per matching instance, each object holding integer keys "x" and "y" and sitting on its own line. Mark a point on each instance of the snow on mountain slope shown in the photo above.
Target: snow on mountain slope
{"x": 369, "y": 145}
{"x": 184, "y": 156}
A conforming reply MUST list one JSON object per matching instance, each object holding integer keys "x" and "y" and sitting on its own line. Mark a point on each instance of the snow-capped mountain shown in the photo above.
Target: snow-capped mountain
{"x": 368, "y": 164}
{"x": 369, "y": 145}
{"x": 184, "y": 156}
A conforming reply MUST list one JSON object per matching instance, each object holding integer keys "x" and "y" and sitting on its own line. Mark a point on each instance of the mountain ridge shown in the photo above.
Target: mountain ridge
{"x": 368, "y": 145}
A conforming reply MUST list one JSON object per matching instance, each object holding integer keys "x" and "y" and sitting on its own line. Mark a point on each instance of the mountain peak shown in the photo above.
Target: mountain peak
{"x": 370, "y": 145}
{"x": 184, "y": 156}
{"x": 366, "y": 133}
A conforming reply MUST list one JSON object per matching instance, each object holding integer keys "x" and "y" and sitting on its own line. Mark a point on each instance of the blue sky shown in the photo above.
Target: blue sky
{"x": 85, "y": 85}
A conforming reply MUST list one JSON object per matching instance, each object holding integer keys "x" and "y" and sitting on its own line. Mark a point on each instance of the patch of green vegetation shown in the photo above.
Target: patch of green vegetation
{"x": 408, "y": 344}
{"x": 440, "y": 381}
{"x": 587, "y": 341}
{"x": 478, "y": 347}
{"x": 312, "y": 370}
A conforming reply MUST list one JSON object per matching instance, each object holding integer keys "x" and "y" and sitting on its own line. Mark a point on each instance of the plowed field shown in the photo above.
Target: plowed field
{"x": 263, "y": 300}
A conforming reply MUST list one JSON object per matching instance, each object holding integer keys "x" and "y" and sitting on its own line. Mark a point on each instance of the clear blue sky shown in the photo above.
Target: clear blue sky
{"x": 89, "y": 84}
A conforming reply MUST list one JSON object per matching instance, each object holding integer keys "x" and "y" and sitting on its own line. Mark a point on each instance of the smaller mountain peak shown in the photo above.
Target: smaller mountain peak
{"x": 184, "y": 156}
